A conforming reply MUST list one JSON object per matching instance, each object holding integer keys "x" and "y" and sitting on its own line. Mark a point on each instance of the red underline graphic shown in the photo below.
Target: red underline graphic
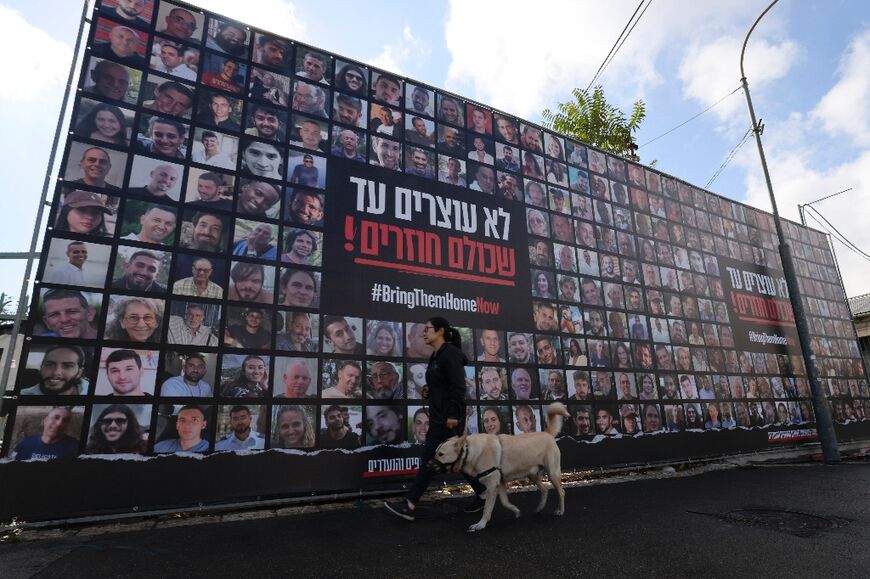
{"x": 766, "y": 321}
{"x": 407, "y": 471}
{"x": 434, "y": 272}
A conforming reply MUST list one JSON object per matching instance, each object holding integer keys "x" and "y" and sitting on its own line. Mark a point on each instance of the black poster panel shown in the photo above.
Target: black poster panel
{"x": 762, "y": 318}
{"x": 401, "y": 246}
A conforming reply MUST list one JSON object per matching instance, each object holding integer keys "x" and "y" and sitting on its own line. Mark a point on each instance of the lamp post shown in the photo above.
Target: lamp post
{"x": 824, "y": 426}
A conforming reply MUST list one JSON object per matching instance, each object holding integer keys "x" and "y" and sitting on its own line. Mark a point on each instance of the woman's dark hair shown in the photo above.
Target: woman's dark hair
{"x": 131, "y": 440}
{"x": 62, "y": 223}
{"x": 451, "y": 335}
{"x": 340, "y": 81}
{"x": 88, "y": 124}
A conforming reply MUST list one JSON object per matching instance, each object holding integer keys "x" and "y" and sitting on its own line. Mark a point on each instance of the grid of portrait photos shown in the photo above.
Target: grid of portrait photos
{"x": 178, "y": 310}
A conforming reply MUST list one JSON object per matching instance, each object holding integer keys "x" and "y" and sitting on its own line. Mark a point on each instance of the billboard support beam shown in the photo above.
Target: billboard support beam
{"x": 824, "y": 425}
{"x": 32, "y": 254}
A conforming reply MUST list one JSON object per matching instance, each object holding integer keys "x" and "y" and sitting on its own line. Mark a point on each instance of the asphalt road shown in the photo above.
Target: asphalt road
{"x": 785, "y": 521}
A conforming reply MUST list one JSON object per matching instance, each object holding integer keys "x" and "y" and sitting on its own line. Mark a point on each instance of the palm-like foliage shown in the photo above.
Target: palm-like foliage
{"x": 591, "y": 119}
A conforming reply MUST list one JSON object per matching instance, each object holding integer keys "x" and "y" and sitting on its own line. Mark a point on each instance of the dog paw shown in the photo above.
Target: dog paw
{"x": 517, "y": 514}
{"x": 476, "y": 527}
{"x": 558, "y": 513}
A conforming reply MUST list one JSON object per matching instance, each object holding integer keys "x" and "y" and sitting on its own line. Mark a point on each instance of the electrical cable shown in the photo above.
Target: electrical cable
{"x": 728, "y": 158}
{"x": 687, "y": 121}
{"x": 614, "y": 47}
{"x": 844, "y": 239}
{"x": 847, "y": 246}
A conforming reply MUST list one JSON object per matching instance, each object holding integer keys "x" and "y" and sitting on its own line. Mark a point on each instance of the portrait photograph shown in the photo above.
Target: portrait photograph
{"x": 261, "y": 159}
{"x": 162, "y": 137}
{"x": 299, "y": 288}
{"x": 269, "y": 87}
{"x": 384, "y": 424}
{"x": 126, "y": 372}
{"x": 349, "y": 144}
{"x": 386, "y": 120}
{"x": 293, "y": 426}
{"x": 310, "y": 98}
{"x": 351, "y": 78}
{"x": 194, "y": 324}
{"x": 418, "y": 424}
{"x": 297, "y": 331}
{"x": 244, "y": 376}
{"x": 309, "y": 133}
{"x": 229, "y": 37}
{"x": 350, "y": 110}
{"x": 208, "y": 188}
{"x": 419, "y": 100}
{"x": 107, "y": 79}
{"x": 255, "y": 240}
{"x": 313, "y": 65}
{"x": 266, "y": 122}
{"x": 576, "y": 154}
{"x": 104, "y": 122}
{"x": 183, "y": 428}
{"x": 167, "y": 97}
{"x": 384, "y": 380}
{"x": 199, "y": 276}
{"x": 134, "y": 319}
{"x": 95, "y": 166}
{"x": 479, "y": 120}
{"x": 76, "y": 263}
{"x": 222, "y": 72}
{"x": 67, "y": 313}
{"x": 57, "y": 370}
{"x": 181, "y": 23}
{"x": 35, "y": 424}
{"x": 386, "y": 88}
{"x": 187, "y": 374}
{"x": 294, "y": 378}
{"x": 385, "y": 153}
{"x": 241, "y": 427}
{"x": 272, "y": 51}
{"x": 119, "y": 429}
{"x": 174, "y": 58}
{"x": 306, "y": 169}
{"x": 155, "y": 179}
{"x": 137, "y": 14}
{"x": 495, "y": 419}
{"x": 419, "y": 131}
{"x": 213, "y": 148}
{"x": 143, "y": 270}
{"x": 451, "y": 110}
{"x": 384, "y": 339}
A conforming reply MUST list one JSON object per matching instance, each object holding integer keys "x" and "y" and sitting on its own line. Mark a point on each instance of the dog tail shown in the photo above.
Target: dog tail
{"x": 555, "y": 413}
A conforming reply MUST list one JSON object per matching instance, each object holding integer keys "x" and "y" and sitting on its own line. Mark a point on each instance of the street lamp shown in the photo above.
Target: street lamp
{"x": 824, "y": 426}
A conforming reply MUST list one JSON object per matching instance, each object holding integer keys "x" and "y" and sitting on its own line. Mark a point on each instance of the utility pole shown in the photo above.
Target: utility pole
{"x": 824, "y": 425}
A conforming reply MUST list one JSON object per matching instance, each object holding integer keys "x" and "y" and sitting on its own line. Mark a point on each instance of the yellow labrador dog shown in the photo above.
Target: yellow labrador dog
{"x": 496, "y": 459}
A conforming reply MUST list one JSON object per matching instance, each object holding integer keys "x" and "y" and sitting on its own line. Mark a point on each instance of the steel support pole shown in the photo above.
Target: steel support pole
{"x": 47, "y": 183}
{"x": 824, "y": 425}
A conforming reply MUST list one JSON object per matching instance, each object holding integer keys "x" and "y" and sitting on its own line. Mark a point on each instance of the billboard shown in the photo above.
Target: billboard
{"x": 248, "y": 234}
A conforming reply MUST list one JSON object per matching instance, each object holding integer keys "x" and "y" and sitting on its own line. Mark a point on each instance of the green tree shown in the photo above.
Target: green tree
{"x": 591, "y": 119}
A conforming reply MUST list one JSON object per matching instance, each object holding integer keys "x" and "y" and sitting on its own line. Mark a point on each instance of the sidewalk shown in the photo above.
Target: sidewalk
{"x": 788, "y": 520}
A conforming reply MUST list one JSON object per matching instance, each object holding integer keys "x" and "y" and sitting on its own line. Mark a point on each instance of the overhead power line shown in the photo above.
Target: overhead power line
{"x": 687, "y": 121}
{"x": 834, "y": 236}
{"x": 839, "y": 236}
{"x": 620, "y": 40}
{"x": 728, "y": 158}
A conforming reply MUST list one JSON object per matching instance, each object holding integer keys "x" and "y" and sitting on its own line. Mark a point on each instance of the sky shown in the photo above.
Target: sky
{"x": 807, "y": 66}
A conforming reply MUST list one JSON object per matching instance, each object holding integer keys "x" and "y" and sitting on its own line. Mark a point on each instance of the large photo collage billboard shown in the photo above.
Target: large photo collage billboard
{"x": 248, "y": 234}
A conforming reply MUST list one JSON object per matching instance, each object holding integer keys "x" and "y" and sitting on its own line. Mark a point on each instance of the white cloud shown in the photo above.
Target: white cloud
{"x": 40, "y": 73}
{"x": 843, "y": 110}
{"x": 711, "y": 69}
{"x": 394, "y": 56}
{"x": 523, "y": 60}
{"x": 278, "y": 16}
